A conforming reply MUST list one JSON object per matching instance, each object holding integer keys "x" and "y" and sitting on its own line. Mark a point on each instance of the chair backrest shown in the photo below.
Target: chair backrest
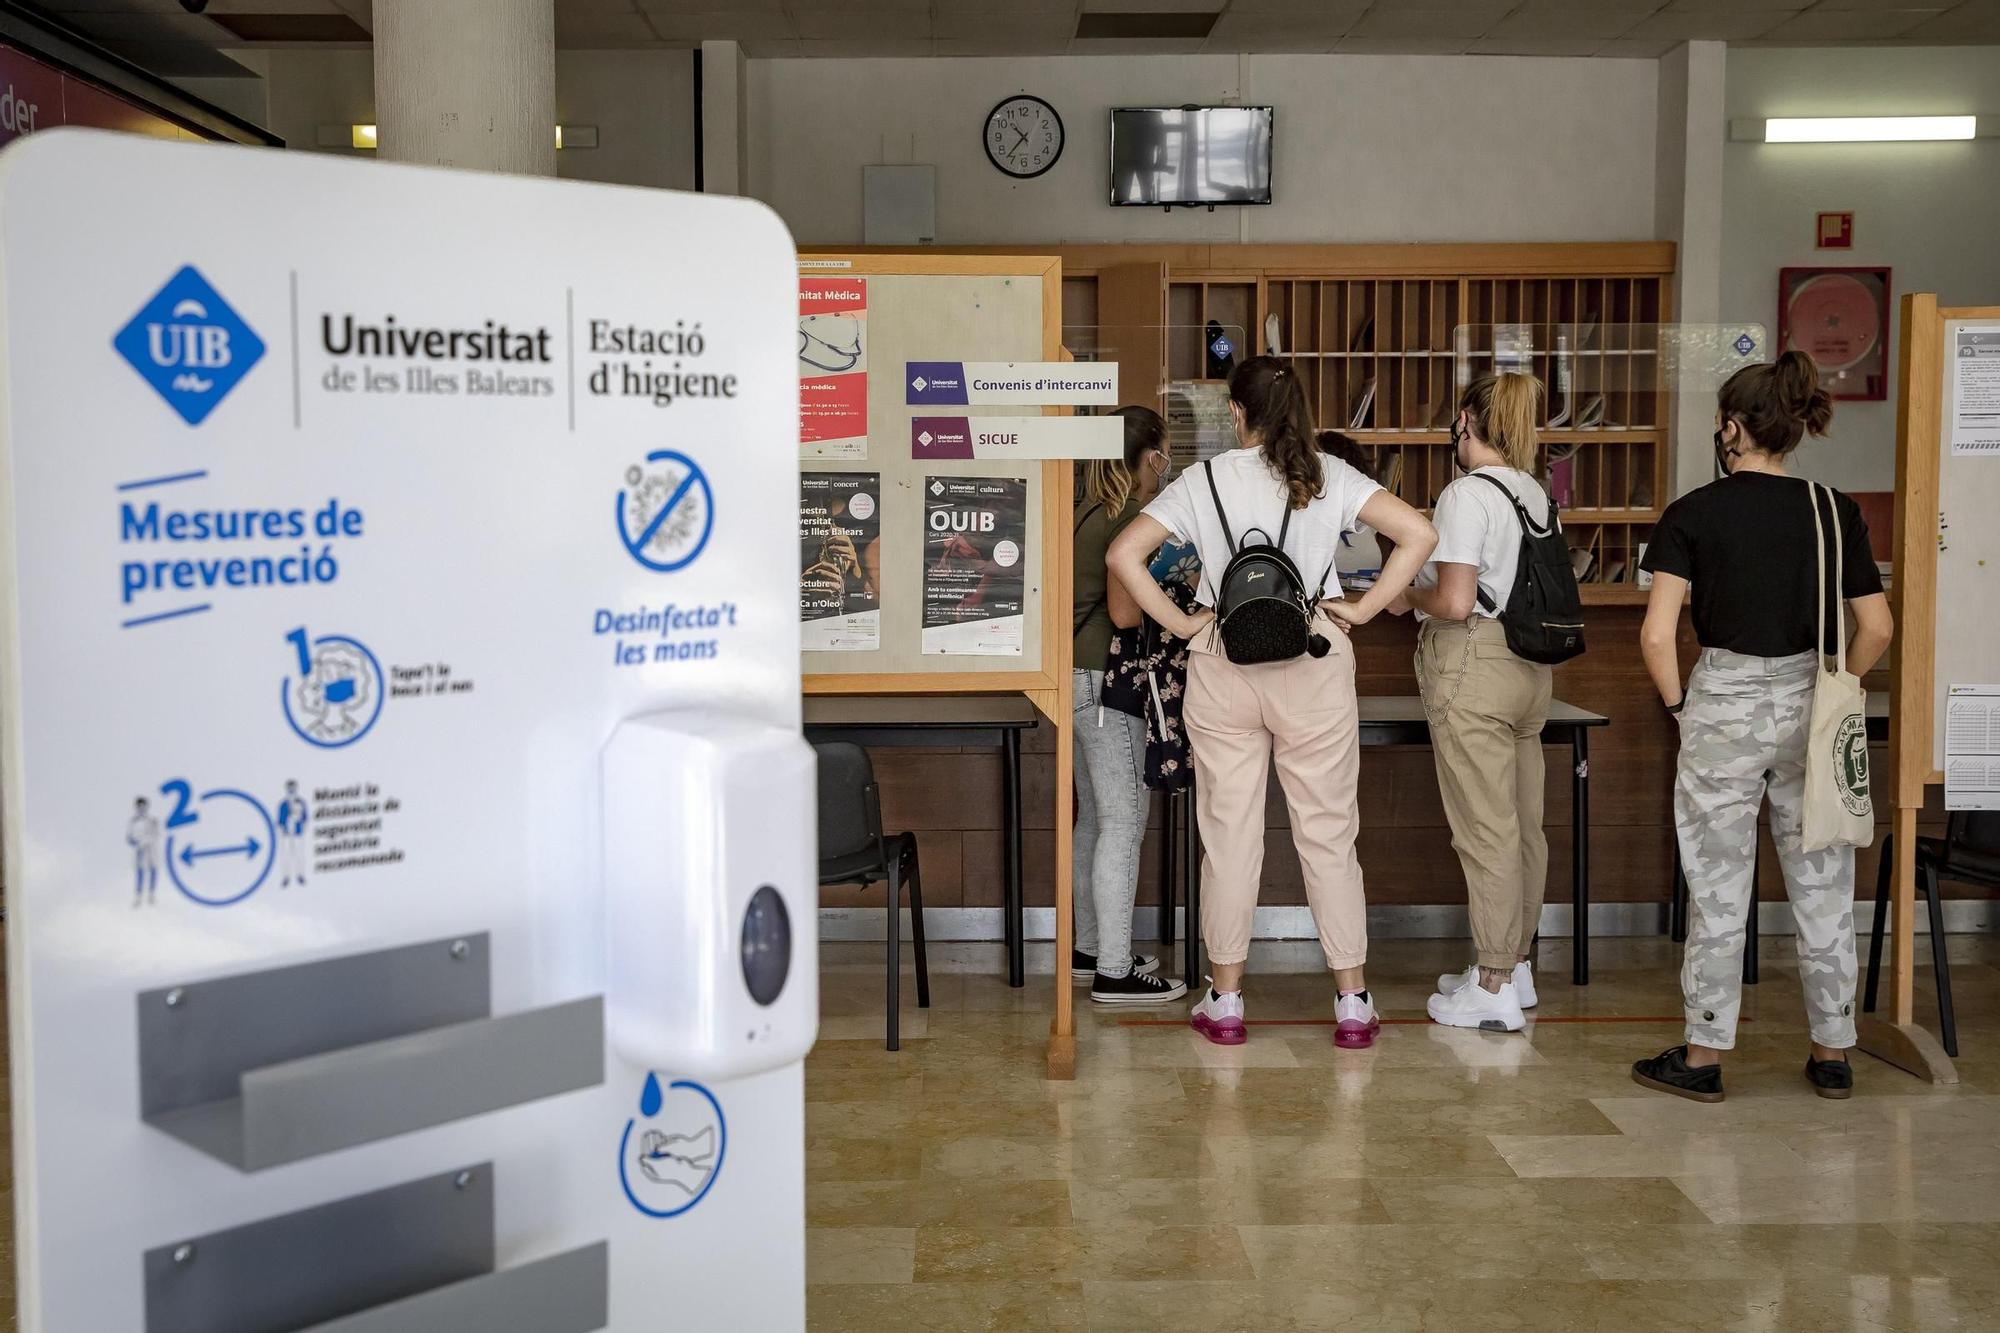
{"x": 1974, "y": 835}
{"x": 850, "y": 820}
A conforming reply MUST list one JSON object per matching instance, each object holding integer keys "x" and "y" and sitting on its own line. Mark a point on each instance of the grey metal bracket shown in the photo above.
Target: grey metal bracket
{"x": 270, "y": 1067}
{"x": 413, "y": 1258}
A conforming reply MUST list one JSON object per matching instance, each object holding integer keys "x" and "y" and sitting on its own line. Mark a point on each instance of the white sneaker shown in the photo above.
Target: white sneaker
{"x": 1355, "y": 1022}
{"x": 1476, "y": 1007}
{"x": 1219, "y": 1017}
{"x": 1523, "y": 981}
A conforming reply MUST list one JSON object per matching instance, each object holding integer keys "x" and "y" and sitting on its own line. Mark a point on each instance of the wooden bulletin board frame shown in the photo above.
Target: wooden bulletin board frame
{"x": 1046, "y": 683}
{"x": 1920, "y": 445}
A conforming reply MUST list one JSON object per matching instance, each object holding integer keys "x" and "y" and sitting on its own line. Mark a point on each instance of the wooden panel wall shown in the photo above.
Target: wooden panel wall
{"x": 952, "y": 799}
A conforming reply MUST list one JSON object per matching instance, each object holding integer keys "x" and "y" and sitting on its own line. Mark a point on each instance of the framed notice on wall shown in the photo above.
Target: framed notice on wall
{"x": 1840, "y": 318}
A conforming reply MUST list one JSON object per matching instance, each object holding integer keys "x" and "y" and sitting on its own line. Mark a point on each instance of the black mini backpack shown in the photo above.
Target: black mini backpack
{"x": 1262, "y": 611}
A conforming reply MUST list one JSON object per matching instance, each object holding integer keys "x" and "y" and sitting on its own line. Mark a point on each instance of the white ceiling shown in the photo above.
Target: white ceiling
{"x": 162, "y": 35}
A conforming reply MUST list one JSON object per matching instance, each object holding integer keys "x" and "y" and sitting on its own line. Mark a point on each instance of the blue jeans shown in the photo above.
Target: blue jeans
{"x": 1111, "y": 804}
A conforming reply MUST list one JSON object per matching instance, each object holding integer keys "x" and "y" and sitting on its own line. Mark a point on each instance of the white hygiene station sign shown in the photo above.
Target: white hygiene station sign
{"x": 409, "y": 838}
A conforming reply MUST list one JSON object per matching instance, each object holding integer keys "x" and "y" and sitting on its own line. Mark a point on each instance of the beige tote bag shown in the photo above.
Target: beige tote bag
{"x": 1838, "y": 810}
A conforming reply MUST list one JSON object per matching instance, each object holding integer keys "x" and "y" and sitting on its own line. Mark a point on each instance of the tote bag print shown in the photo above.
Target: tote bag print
{"x": 1839, "y": 812}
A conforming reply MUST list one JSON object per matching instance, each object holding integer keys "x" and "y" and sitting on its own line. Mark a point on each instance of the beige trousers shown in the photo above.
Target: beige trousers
{"x": 1302, "y": 713}
{"x": 1487, "y": 707}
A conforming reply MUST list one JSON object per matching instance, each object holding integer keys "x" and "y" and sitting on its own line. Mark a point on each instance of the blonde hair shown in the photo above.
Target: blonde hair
{"x": 1110, "y": 482}
{"x": 1502, "y": 411}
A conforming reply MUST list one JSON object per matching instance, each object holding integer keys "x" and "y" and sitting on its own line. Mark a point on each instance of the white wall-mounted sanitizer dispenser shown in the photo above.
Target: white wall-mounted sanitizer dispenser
{"x": 712, "y": 894}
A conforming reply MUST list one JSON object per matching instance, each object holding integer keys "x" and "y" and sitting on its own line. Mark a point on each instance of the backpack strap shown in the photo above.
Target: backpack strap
{"x": 1208, "y": 470}
{"x": 1484, "y": 598}
{"x": 1084, "y": 517}
{"x": 1520, "y": 510}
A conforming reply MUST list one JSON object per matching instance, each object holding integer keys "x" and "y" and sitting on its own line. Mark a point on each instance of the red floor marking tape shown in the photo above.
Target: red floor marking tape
{"x": 1391, "y": 1022}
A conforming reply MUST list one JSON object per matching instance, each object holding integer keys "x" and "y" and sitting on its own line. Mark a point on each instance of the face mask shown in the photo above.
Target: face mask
{"x": 1458, "y": 435}
{"x": 1723, "y": 453}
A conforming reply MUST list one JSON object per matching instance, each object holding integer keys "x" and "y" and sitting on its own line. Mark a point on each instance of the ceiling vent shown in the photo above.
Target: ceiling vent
{"x": 1178, "y": 26}
{"x": 292, "y": 27}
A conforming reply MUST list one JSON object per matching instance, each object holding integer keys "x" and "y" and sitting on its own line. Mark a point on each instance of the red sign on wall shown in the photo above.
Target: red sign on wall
{"x": 1835, "y": 231}
{"x": 35, "y": 96}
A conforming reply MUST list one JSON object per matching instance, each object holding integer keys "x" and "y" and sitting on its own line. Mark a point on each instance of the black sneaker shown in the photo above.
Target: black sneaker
{"x": 1134, "y": 988}
{"x": 1669, "y": 1072}
{"x": 1830, "y": 1078}
{"x": 1083, "y": 966}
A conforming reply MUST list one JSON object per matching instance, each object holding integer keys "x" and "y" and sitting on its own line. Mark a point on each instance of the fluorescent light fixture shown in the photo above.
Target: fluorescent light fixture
{"x": 363, "y": 136}
{"x": 1862, "y": 129}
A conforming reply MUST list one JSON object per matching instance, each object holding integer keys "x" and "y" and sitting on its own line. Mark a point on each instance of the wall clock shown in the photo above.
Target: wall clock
{"x": 1023, "y": 136}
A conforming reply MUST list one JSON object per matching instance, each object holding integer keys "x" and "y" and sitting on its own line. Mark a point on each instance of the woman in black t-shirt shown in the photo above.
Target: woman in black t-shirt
{"x": 1746, "y": 545}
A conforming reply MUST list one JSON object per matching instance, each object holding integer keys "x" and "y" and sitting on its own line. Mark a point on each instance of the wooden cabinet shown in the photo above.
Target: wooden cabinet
{"x": 1385, "y": 338}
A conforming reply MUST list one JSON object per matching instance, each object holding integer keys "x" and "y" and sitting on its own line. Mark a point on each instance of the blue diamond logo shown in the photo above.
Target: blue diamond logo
{"x": 1745, "y": 344}
{"x": 189, "y": 345}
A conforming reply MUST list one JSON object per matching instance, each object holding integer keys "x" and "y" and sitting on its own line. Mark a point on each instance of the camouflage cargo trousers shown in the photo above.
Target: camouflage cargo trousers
{"x": 1743, "y": 736}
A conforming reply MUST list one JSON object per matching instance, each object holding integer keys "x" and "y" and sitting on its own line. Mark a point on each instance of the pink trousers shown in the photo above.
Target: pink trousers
{"x": 1302, "y": 714}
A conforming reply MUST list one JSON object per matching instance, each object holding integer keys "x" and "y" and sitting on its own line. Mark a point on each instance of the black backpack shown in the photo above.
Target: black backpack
{"x": 1544, "y": 615}
{"x": 1261, "y": 607}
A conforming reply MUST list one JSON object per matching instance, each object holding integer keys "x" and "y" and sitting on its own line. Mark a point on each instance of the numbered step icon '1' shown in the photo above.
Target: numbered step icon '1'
{"x": 336, "y": 694}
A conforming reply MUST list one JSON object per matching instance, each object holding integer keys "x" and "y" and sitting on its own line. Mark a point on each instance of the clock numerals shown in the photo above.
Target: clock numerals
{"x": 1024, "y": 137}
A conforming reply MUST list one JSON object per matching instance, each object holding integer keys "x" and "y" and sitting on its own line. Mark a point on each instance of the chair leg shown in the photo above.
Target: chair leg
{"x": 1750, "y": 931}
{"x": 917, "y": 928}
{"x": 1677, "y": 905}
{"x": 1167, "y": 872}
{"x": 1940, "y": 963}
{"x": 1884, "y": 871}
{"x": 895, "y": 933}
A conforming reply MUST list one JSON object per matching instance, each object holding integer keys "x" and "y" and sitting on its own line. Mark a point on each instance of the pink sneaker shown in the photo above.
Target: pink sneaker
{"x": 1355, "y": 1022}
{"x": 1220, "y": 1017}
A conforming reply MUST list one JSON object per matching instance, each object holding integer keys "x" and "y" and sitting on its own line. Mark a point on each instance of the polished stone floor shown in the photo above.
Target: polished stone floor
{"x": 1443, "y": 1180}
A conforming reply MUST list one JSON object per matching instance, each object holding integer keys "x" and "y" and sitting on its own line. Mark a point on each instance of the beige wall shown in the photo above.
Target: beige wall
{"x": 1368, "y": 148}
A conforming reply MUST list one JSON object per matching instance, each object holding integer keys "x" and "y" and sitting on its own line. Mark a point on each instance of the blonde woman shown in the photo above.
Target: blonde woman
{"x": 1486, "y": 705}
{"x": 1110, "y": 746}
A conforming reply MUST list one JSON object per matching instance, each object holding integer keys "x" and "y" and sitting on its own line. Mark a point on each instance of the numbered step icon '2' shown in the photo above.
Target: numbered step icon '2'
{"x": 337, "y": 691}
{"x": 220, "y": 844}
{"x": 666, "y": 511}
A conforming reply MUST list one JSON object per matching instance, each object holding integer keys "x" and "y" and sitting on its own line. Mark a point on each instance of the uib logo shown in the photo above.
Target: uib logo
{"x": 189, "y": 345}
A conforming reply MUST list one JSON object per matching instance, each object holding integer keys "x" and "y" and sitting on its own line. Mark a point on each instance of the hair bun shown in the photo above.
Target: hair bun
{"x": 1799, "y": 394}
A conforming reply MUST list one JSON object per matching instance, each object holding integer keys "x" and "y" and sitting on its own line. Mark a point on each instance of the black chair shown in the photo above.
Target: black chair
{"x": 1969, "y": 851}
{"x": 1677, "y": 915}
{"x": 853, "y": 850}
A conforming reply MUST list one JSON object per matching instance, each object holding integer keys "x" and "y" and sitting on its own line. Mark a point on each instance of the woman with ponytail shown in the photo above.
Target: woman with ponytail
{"x": 1486, "y": 705}
{"x": 1752, "y": 546}
{"x": 1110, "y": 750}
{"x": 1301, "y": 711}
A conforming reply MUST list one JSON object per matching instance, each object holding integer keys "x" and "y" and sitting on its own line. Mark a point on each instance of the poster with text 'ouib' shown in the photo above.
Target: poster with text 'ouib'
{"x": 975, "y": 532}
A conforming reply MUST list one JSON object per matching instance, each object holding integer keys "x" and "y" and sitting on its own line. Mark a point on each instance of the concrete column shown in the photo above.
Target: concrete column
{"x": 467, "y": 83}
{"x": 1687, "y": 202}
{"x": 725, "y": 121}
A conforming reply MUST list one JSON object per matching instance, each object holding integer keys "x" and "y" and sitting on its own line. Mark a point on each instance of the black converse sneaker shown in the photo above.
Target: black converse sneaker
{"x": 1669, "y": 1071}
{"x": 1830, "y": 1078}
{"x": 1135, "y": 987}
{"x": 1083, "y": 966}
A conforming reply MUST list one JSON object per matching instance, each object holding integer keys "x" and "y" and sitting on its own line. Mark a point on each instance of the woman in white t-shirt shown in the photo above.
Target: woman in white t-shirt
{"x": 1300, "y": 712}
{"x": 1486, "y": 705}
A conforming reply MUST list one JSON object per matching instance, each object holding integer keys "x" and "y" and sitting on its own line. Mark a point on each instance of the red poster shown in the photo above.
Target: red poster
{"x": 833, "y": 367}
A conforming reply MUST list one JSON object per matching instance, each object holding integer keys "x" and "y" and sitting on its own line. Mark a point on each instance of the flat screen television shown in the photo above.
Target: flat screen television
{"x": 1163, "y": 156}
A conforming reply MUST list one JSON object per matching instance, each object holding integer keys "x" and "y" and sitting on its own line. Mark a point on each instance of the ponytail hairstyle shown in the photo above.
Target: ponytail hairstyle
{"x": 1111, "y": 482}
{"x": 1276, "y": 415}
{"x": 1501, "y": 410}
{"x": 1777, "y": 404}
